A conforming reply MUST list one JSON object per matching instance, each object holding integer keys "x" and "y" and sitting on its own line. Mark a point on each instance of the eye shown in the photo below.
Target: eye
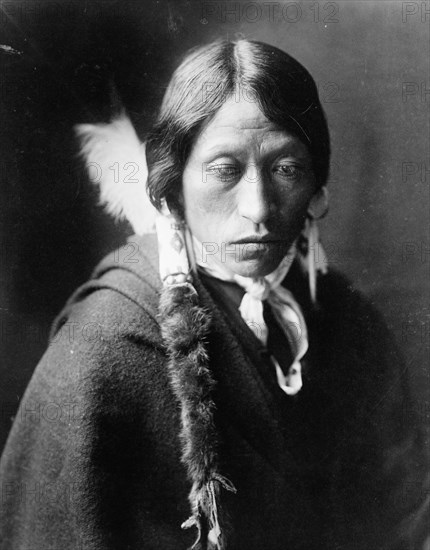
{"x": 290, "y": 172}
{"x": 224, "y": 172}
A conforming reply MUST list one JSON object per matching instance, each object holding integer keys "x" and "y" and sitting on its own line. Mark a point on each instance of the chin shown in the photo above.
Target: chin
{"x": 254, "y": 268}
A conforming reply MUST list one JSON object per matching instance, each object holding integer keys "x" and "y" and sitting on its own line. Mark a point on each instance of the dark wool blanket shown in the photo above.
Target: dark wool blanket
{"x": 93, "y": 458}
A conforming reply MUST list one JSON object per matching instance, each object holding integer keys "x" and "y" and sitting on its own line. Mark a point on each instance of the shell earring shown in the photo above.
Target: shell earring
{"x": 312, "y": 256}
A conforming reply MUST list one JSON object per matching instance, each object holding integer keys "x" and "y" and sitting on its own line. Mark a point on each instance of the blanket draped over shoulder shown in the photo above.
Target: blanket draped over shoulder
{"x": 93, "y": 461}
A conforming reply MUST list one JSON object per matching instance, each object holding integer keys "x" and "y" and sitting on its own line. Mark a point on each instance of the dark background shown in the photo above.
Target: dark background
{"x": 61, "y": 61}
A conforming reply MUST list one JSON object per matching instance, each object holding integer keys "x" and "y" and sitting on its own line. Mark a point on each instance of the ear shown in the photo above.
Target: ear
{"x": 117, "y": 156}
{"x": 318, "y": 205}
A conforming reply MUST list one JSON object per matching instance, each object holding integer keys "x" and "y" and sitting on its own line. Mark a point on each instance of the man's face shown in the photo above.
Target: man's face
{"x": 246, "y": 188}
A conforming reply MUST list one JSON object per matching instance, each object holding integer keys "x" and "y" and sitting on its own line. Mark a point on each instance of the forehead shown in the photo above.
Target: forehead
{"x": 242, "y": 124}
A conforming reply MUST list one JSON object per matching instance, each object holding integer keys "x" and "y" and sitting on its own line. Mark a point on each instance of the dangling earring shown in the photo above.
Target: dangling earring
{"x": 311, "y": 254}
{"x": 174, "y": 263}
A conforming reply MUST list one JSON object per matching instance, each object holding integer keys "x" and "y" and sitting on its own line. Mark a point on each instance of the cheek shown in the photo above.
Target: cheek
{"x": 202, "y": 197}
{"x": 293, "y": 207}
{"x": 207, "y": 209}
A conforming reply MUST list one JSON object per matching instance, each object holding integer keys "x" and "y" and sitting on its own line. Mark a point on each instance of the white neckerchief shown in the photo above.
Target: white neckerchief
{"x": 285, "y": 308}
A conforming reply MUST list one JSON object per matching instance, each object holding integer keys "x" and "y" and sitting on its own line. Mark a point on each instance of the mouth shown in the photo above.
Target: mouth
{"x": 258, "y": 239}
{"x": 256, "y": 247}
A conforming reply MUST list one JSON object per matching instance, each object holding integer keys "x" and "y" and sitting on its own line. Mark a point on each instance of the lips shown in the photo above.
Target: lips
{"x": 256, "y": 248}
{"x": 258, "y": 239}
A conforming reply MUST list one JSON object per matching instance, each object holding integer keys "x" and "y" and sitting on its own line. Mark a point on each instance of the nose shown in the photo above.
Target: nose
{"x": 255, "y": 200}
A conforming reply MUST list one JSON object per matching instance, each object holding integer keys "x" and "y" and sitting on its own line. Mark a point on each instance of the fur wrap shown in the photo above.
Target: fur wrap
{"x": 184, "y": 326}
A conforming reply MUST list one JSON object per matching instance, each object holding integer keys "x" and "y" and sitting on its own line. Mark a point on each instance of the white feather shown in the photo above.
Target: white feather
{"x": 115, "y": 160}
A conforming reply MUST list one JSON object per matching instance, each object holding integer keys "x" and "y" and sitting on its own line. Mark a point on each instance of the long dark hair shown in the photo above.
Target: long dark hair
{"x": 284, "y": 90}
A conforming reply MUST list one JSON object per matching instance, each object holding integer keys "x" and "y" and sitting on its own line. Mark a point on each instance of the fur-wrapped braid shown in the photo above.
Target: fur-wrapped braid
{"x": 184, "y": 327}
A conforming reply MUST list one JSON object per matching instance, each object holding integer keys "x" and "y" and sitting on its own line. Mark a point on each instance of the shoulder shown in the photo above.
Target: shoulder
{"x": 106, "y": 342}
{"x": 342, "y": 311}
{"x": 350, "y": 312}
{"x": 105, "y": 359}
{"x": 355, "y": 356}
{"x": 97, "y": 400}
{"x": 123, "y": 291}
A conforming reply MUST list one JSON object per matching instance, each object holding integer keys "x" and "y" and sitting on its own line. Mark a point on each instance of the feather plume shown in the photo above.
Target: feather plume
{"x": 115, "y": 160}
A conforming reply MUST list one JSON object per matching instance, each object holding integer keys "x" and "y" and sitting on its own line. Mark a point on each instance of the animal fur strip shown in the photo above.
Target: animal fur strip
{"x": 184, "y": 327}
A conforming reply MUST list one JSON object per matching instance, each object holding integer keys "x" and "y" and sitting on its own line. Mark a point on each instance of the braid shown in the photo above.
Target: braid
{"x": 185, "y": 327}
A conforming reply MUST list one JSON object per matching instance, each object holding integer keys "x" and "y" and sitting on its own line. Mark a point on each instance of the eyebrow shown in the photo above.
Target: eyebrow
{"x": 233, "y": 145}
{"x": 223, "y": 149}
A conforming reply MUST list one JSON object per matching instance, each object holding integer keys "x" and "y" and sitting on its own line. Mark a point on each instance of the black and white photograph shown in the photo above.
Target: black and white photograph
{"x": 214, "y": 275}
